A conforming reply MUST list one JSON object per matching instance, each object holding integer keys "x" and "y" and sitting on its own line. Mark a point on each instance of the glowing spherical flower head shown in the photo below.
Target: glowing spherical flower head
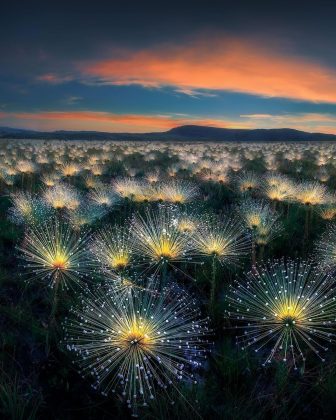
{"x": 61, "y": 197}
{"x": 86, "y": 214}
{"x": 279, "y": 188}
{"x": 226, "y": 240}
{"x": 247, "y": 181}
{"x": 55, "y": 253}
{"x": 91, "y": 181}
{"x": 26, "y": 167}
{"x": 70, "y": 169}
{"x": 50, "y": 179}
{"x": 179, "y": 192}
{"x": 262, "y": 221}
{"x": 103, "y": 195}
{"x": 326, "y": 247}
{"x": 187, "y": 223}
{"x": 327, "y": 212}
{"x": 128, "y": 188}
{"x": 268, "y": 230}
{"x": 113, "y": 248}
{"x": 311, "y": 193}
{"x": 158, "y": 238}
{"x": 286, "y": 310}
{"x": 8, "y": 179}
{"x": 147, "y": 343}
{"x": 27, "y": 208}
{"x": 254, "y": 212}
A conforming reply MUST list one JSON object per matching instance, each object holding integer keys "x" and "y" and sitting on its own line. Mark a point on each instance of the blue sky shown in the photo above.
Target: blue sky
{"x": 142, "y": 68}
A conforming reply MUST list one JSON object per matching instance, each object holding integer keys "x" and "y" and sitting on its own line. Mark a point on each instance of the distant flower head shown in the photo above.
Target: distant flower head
{"x": 62, "y": 197}
{"x": 103, "y": 195}
{"x": 262, "y": 221}
{"x": 112, "y": 248}
{"x": 311, "y": 194}
{"x": 28, "y": 209}
{"x": 226, "y": 239}
{"x": 247, "y": 181}
{"x": 158, "y": 239}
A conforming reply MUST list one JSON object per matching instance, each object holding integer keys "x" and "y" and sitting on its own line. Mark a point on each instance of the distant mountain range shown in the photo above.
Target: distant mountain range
{"x": 186, "y": 133}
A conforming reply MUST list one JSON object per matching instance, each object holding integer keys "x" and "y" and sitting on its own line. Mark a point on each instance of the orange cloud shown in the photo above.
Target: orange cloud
{"x": 53, "y": 78}
{"x": 106, "y": 121}
{"x": 217, "y": 64}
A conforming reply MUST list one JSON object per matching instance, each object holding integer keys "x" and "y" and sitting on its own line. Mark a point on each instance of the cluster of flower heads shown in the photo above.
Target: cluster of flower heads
{"x": 83, "y": 210}
{"x": 162, "y": 237}
{"x": 73, "y": 158}
{"x": 138, "y": 337}
{"x": 175, "y": 192}
{"x": 132, "y": 335}
{"x": 91, "y": 163}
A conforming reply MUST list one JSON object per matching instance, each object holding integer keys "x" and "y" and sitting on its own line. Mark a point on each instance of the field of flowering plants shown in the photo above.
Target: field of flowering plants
{"x": 167, "y": 280}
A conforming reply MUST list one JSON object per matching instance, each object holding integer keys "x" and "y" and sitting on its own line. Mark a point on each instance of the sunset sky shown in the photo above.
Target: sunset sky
{"x": 144, "y": 66}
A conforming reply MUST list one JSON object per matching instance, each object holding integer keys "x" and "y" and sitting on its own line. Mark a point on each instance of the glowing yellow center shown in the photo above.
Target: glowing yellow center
{"x": 247, "y": 186}
{"x": 139, "y": 335}
{"x": 140, "y": 197}
{"x": 58, "y": 204}
{"x": 215, "y": 247}
{"x": 119, "y": 261}
{"x": 158, "y": 196}
{"x": 310, "y": 198}
{"x": 328, "y": 214}
{"x": 165, "y": 248}
{"x": 60, "y": 262}
{"x": 127, "y": 282}
{"x": 73, "y": 204}
{"x": 178, "y": 198}
{"x": 254, "y": 220}
{"x": 69, "y": 170}
{"x": 186, "y": 226}
{"x": 290, "y": 315}
{"x": 275, "y": 195}
{"x": 25, "y": 208}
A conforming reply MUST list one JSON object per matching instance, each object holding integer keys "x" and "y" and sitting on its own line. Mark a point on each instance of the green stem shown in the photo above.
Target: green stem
{"x": 261, "y": 253}
{"x": 213, "y": 284}
{"x": 254, "y": 257}
{"x": 54, "y": 303}
{"x": 306, "y": 230}
{"x": 164, "y": 274}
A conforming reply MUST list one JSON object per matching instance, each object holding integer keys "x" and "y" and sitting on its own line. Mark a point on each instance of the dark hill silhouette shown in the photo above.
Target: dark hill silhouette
{"x": 233, "y": 134}
{"x": 182, "y": 133}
